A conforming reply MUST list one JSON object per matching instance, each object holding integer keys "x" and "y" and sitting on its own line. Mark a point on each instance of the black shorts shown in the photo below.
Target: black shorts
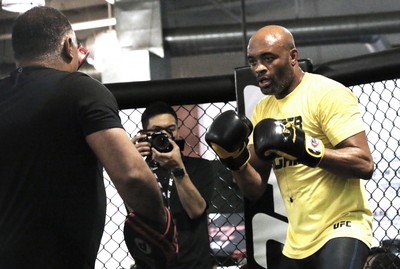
{"x": 338, "y": 253}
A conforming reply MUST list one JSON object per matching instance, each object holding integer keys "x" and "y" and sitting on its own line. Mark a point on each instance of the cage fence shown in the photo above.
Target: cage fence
{"x": 379, "y": 104}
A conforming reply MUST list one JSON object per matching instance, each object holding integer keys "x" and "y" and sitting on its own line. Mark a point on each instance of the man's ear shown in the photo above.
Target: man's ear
{"x": 293, "y": 56}
{"x": 67, "y": 51}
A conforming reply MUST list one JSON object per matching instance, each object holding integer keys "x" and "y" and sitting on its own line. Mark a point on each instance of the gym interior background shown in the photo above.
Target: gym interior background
{"x": 185, "y": 52}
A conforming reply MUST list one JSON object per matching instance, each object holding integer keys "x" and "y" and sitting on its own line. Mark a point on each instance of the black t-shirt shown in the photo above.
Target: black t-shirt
{"x": 193, "y": 237}
{"x": 52, "y": 196}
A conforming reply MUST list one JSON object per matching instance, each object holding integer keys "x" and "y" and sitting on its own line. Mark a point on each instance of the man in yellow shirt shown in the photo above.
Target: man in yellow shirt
{"x": 309, "y": 129}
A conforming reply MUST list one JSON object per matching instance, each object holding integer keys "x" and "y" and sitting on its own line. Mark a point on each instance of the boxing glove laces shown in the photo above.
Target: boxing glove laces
{"x": 228, "y": 137}
{"x": 284, "y": 139}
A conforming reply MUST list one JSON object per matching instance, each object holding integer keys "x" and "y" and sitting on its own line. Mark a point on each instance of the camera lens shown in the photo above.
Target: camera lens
{"x": 143, "y": 139}
{"x": 160, "y": 142}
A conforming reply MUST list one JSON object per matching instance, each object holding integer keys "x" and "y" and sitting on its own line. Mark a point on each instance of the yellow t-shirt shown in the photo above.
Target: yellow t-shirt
{"x": 320, "y": 205}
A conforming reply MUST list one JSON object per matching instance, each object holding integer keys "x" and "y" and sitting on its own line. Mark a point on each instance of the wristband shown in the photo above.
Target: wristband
{"x": 178, "y": 173}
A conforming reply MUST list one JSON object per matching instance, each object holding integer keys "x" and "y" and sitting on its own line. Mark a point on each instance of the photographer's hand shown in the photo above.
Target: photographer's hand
{"x": 169, "y": 160}
{"x": 142, "y": 146}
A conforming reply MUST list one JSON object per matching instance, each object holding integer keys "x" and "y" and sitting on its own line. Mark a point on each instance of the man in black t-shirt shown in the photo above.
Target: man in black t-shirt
{"x": 57, "y": 127}
{"x": 186, "y": 183}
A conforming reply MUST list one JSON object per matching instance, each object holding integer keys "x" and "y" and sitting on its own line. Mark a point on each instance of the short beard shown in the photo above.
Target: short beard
{"x": 281, "y": 88}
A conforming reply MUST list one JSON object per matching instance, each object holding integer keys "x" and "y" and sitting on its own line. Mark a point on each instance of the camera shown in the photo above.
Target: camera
{"x": 159, "y": 141}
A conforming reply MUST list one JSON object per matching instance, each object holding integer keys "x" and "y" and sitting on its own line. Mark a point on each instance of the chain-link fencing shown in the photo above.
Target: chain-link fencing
{"x": 379, "y": 104}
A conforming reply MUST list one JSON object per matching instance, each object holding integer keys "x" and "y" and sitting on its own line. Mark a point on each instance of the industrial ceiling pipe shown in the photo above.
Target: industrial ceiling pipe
{"x": 362, "y": 28}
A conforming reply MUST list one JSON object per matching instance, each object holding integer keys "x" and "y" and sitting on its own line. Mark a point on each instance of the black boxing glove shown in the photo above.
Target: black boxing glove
{"x": 228, "y": 137}
{"x": 284, "y": 139}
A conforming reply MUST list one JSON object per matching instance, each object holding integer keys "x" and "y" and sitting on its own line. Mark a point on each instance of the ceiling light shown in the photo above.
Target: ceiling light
{"x": 104, "y": 48}
{"x": 20, "y": 5}
{"x": 94, "y": 24}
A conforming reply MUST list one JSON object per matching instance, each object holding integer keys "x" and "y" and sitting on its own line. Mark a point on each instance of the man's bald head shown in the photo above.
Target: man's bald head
{"x": 273, "y": 59}
{"x": 274, "y": 35}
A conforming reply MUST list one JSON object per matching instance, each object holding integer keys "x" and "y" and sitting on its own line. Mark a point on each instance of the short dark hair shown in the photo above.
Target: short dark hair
{"x": 38, "y": 33}
{"x": 157, "y": 108}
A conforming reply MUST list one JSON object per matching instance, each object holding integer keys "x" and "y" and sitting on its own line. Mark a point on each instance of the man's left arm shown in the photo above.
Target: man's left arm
{"x": 350, "y": 155}
{"x": 350, "y": 158}
{"x": 192, "y": 201}
{"x": 190, "y": 197}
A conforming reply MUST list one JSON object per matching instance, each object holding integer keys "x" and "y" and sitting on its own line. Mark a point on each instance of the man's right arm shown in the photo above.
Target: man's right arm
{"x": 252, "y": 179}
{"x": 129, "y": 173}
{"x": 228, "y": 137}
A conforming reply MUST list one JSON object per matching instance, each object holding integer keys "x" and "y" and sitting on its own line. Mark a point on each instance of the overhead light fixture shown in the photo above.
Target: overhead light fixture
{"x": 94, "y": 24}
{"x": 104, "y": 48}
{"x": 21, "y": 6}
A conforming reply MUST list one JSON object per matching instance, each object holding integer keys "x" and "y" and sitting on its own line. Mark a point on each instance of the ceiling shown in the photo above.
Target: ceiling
{"x": 193, "y": 38}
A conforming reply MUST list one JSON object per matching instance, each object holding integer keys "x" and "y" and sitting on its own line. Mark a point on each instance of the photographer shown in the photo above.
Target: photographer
{"x": 186, "y": 183}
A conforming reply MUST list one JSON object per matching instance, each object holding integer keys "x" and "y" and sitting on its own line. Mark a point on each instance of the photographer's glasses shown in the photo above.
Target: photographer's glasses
{"x": 82, "y": 54}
